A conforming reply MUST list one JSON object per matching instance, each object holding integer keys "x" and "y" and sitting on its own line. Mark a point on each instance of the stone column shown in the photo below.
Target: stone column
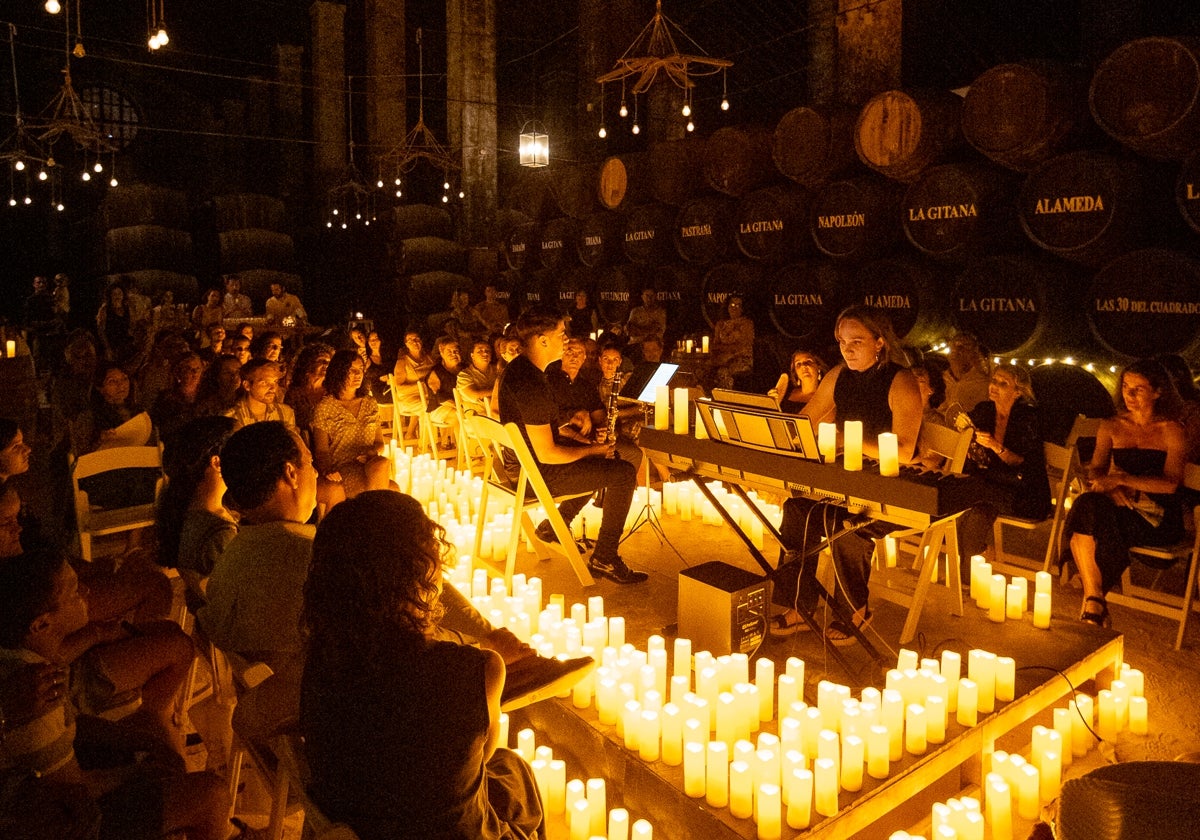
{"x": 289, "y": 119}
{"x": 387, "y": 87}
{"x": 327, "y": 22}
{"x": 868, "y": 49}
{"x": 471, "y": 112}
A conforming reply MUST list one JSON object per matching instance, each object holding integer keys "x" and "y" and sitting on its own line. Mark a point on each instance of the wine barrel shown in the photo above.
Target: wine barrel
{"x": 618, "y": 289}
{"x": 737, "y": 159}
{"x": 1019, "y": 304}
{"x": 806, "y": 297}
{"x": 559, "y": 238}
{"x": 148, "y": 246}
{"x": 419, "y": 254}
{"x": 522, "y": 247}
{"x": 409, "y": 220}
{"x": 153, "y": 282}
{"x": 901, "y": 133}
{"x": 856, "y": 218}
{"x": 1019, "y": 115}
{"x": 573, "y": 281}
{"x": 430, "y": 291}
{"x": 623, "y": 181}
{"x": 529, "y": 192}
{"x": 144, "y": 204}
{"x": 1085, "y": 206}
{"x": 812, "y": 145}
{"x": 1146, "y": 302}
{"x": 772, "y": 223}
{"x": 727, "y": 279}
{"x": 601, "y": 238}
{"x": 648, "y": 229}
{"x": 255, "y": 248}
{"x": 675, "y": 170}
{"x": 1064, "y": 392}
{"x": 573, "y": 190}
{"x": 703, "y": 231}
{"x": 533, "y": 288}
{"x": 249, "y": 210}
{"x": 954, "y": 211}
{"x": 680, "y": 290}
{"x": 1146, "y": 95}
{"x": 913, "y": 294}
{"x": 1187, "y": 192}
{"x": 256, "y": 283}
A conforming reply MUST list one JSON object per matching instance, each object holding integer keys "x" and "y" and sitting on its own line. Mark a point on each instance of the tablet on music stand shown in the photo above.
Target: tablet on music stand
{"x": 746, "y": 399}
{"x": 661, "y": 376}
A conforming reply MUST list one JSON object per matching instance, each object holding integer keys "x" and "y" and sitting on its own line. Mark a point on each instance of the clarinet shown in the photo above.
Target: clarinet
{"x": 612, "y": 406}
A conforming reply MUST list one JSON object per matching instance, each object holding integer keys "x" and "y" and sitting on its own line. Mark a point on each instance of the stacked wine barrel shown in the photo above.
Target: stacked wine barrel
{"x": 254, "y": 243}
{"x": 1052, "y": 210}
{"x": 145, "y": 237}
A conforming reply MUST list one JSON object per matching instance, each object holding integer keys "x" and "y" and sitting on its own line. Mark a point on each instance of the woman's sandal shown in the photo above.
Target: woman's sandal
{"x": 780, "y": 628}
{"x": 839, "y": 635}
{"x": 1099, "y": 618}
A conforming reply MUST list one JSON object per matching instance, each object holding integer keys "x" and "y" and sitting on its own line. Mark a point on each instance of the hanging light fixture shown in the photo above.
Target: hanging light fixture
{"x": 351, "y": 198}
{"x": 156, "y": 25}
{"x": 535, "y": 145}
{"x": 655, "y": 51}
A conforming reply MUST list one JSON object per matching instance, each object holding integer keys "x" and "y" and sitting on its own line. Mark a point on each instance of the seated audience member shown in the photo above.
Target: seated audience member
{"x": 968, "y": 377}
{"x": 213, "y": 342}
{"x": 412, "y": 366}
{"x": 308, "y": 382}
{"x": 463, "y": 323}
{"x": 72, "y": 388}
{"x": 582, "y": 317}
{"x": 179, "y": 403}
{"x": 192, "y": 522}
{"x": 43, "y": 614}
{"x": 798, "y": 384}
{"x": 491, "y": 311}
{"x": 284, "y": 309}
{"x": 346, "y": 434}
{"x": 647, "y": 320}
{"x": 238, "y": 346}
{"x": 267, "y": 345}
{"x": 441, "y": 379}
{"x": 371, "y": 619}
{"x": 114, "y": 326}
{"x": 219, "y": 384}
{"x": 375, "y": 381}
{"x": 1008, "y": 453}
{"x": 527, "y": 400}
{"x": 477, "y": 379}
{"x": 259, "y": 397}
{"x": 1132, "y": 496}
{"x": 156, "y": 371}
{"x": 732, "y": 345}
{"x": 652, "y": 350}
{"x": 236, "y": 304}
{"x": 208, "y": 312}
{"x": 1177, "y": 368}
{"x": 871, "y": 385}
{"x": 507, "y": 348}
{"x": 930, "y": 374}
{"x": 14, "y": 451}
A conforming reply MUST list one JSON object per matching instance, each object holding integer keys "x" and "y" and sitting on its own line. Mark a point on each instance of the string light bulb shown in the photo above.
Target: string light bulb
{"x": 691, "y": 126}
{"x": 12, "y": 202}
{"x": 28, "y": 200}
{"x": 163, "y": 40}
{"x": 42, "y": 176}
{"x": 624, "y": 112}
{"x": 112, "y": 181}
{"x": 19, "y": 165}
{"x": 379, "y": 183}
{"x": 87, "y": 176}
{"x": 98, "y": 167}
{"x": 636, "y": 129}
{"x": 724, "y": 104}
{"x": 687, "y": 110}
{"x": 602, "y": 132}
{"x": 59, "y": 207}
{"x": 53, "y": 7}
{"x": 461, "y": 194}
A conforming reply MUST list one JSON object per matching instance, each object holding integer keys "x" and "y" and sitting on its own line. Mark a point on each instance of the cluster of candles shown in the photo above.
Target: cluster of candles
{"x": 1009, "y": 599}
{"x": 852, "y": 447}
{"x": 689, "y": 345}
{"x": 672, "y": 410}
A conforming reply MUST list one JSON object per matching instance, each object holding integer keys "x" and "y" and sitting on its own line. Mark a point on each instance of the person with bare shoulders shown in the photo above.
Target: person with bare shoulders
{"x": 1134, "y": 474}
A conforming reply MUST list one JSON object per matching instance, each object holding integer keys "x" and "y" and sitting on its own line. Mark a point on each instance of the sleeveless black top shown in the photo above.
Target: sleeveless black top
{"x": 863, "y": 395}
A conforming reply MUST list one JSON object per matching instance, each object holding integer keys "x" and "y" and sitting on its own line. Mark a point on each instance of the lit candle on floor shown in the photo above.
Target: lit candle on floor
{"x": 878, "y": 751}
{"x": 1041, "y": 610}
{"x": 1013, "y": 603}
{"x": 648, "y": 736}
{"x": 891, "y": 715}
{"x": 681, "y": 665}
{"x": 764, "y": 678}
{"x": 1107, "y": 726}
{"x": 852, "y": 432}
{"x": 1042, "y": 582}
{"x": 827, "y": 441}
{"x": 800, "y": 794}
{"x": 716, "y": 792}
{"x": 703, "y": 344}
{"x": 984, "y": 600}
{"x": 996, "y": 598}
{"x": 769, "y": 808}
{"x": 580, "y": 821}
{"x": 618, "y": 824}
{"x": 915, "y": 729}
{"x": 672, "y": 735}
{"x": 741, "y": 790}
{"x": 642, "y": 830}
{"x": 889, "y": 454}
{"x": 1139, "y": 722}
{"x": 693, "y": 769}
{"x": 1029, "y": 792}
{"x": 681, "y": 411}
{"x": 1080, "y": 733}
{"x": 935, "y": 719}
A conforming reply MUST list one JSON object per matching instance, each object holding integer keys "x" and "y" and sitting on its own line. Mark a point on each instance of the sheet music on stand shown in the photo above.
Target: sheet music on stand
{"x": 759, "y": 428}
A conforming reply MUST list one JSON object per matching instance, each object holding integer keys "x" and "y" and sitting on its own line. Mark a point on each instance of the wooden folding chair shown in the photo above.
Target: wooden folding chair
{"x": 951, "y": 444}
{"x": 1058, "y": 467}
{"x": 498, "y": 437}
{"x": 464, "y": 406}
{"x": 431, "y": 429}
{"x": 294, "y": 764}
{"x": 401, "y": 420}
{"x": 1074, "y": 483}
{"x": 1151, "y": 599}
{"x": 93, "y": 521}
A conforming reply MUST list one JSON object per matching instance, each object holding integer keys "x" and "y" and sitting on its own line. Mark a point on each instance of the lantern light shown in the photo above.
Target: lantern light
{"x": 535, "y": 146}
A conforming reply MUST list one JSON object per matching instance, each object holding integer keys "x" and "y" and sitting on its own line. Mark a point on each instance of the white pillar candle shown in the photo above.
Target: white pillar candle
{"x": 503, "y": 729}
{"x": 693, "y": 769}
{"x": 827, "y": 441}
{"x": 829, "y": 746}
{"x": 616, "y": 631}
{"x": 580, "y": 820}
{"x": 727, "y": 725}
{"x": 999, "y": 807}
{"x": 764, "y": 679}
{"x": 597, "y": 797}
{"x": 681, "y": 411}
{"x": 703, "y": 344}
{"x": 996, "y": 598}
{"x": 852, "y": 432}
{"x": 984, "y": 601}
{"x": 766, "y": 765}
{"x": 10, "y": 349}
{"x": 1062, "y": 725}
{"x": 981, "y": 667}
{"x": 631, "y": 714}
{"x": 799, "y": 798}
{"x": 662, "y": 410}
{"x": 915, "y": 728}
{"x": 951, "y": 669}
{"x": 1023, "y": 592}
{"x": 977, "y": 560}
{"x": 1135, "y": 679}
{"x": 1106, "y": 726}
{"x": 1050, "y": 774}
{"x": 889, "y": 454}
{"x": 672, "y": 735}
{"x": 681, "y": 665}
{"x": 1029, "y": 793}
{"x": 794, "y": 668}
{"x": 648, "y": 736}
{"x": 618, "y": 824}
{"x": 787, "y": 692}
{"x": 907, "y": 659}
{"x": 935, "y": 719}
{"x": 792, "y": 760}
{"x": 1139, "y": 722}
{"x": 770, "y": 812}
{"x": 891, "y": 715}
{"x": 1041, "y": 610}
{"x": 526, "y": 746}
{"x": 889, "y": 552}
{"x": 853, "y": 754}
{"x": 810, "y": 731}
{"x": 1081, "y": 734}
{"x": 556, "y": 786}
{"x": 825, "y": 782}
{"x": 746, "y": 695}
{"x": 1006, "y": 678}
{"x": 878, "y": 752}
{"x": 716, "y": 792}
{"x": 642, "y": 830}
{"x": 689, "y": 345}
{"x": 741, "y": 790}
{"x": 967, "y": 711}
{"x": 1042, "y": 582}
{"x": 1013, "y": 602}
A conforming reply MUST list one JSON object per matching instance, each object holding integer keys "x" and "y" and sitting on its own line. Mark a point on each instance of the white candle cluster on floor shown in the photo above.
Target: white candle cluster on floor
{"x": 1005, "y": 599}
{"x": 685, "y": 500}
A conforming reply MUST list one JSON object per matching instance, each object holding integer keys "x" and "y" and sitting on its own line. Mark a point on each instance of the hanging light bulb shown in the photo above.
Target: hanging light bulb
{"x": 98, "y": 167}
{"x": 343, "y": 225}
{"x": 367, "y": 222}
{"x": 42, "y": 176}
{"x": 691, "y": 126}
{"x": 397, "y": 182}
{"x": 445, "y": 199}
{"x": 358, "y": 217}
{"x": 379, "y": 183}
{"x": 59, "y": 207}
{"x": 687, "y": 110}
{"x": 12, "y": 202}
{"x": 19, "y": 165}
{"x": 87, "y": 176}
{"x": 624, "y": 112}
{"x": 398, "y": 193}
{"x": 724, "y": 104}
{"x": 163, "y": 40}
{"x": 28, "y": 200}
{"x": 53, "y": 7}
{"x": 636, "y": 129}
{"x": 152, "y": 42}
{"x": 329, "y": 224}
{"x": 461, "y": 194}
{"x": 113, "y": 181}
{"x": 335, "y": 211}
{"x": 602, "y": 133}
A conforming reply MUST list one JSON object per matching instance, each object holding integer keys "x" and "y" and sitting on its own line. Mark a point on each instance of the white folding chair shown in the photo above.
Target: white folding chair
{"x": 93, "y": 521}
{"x": 1058, "y": 467}
{"x": 401, "y": 420}
{"x": 500, "y": 436}
{"x": 951, "y": 444}
{"x": 294, "y": 764}
{"x": 432, "y": 428}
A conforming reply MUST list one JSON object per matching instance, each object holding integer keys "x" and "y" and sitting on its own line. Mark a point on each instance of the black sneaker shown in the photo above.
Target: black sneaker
{"x": 536, "y": 678}
{"x": 615, "y": 570}
{"x": 545, "y": 532}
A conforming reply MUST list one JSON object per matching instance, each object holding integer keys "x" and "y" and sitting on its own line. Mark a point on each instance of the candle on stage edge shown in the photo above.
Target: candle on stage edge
{"x": 996, "y": 598}
{"x": 967, "y": 712}
{"x": 716, "y": 792}
{"x": 681, "y": 411}
{"x": 642, "y": 830}
{"x": 827, "y": 441}
{"x": 662, "y": 407}
{"x": 889, "y": 454}
{"x": 878, "y": 752}
{"x": 800, "y": 794}
{"x": 1012, "y": 608}
{"x": 998, "y": 801}
{"x": 693, "y": 769}
{"x": 580, "y": 820}
{"x": 769, "y": 808}
{"x": 852, "y": 439}
{"x": 1006, "y": 678}
{"x": 915, "y": 729}
{"x": 597, "y": 798}
{"x": 853, "y": 755}
{"x": 1041, "y": 610}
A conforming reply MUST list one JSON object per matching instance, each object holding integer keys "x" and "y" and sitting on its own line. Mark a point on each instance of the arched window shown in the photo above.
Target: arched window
{"x": 115, "y": 115}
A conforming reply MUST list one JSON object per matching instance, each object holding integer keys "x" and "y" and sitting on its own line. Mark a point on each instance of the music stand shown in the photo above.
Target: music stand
{"x": 660, "y": 375}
